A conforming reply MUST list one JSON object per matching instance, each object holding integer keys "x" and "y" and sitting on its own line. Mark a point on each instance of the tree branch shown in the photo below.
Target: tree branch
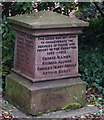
{"x": 98, "y": 8}
{"x": 6, "y": 6}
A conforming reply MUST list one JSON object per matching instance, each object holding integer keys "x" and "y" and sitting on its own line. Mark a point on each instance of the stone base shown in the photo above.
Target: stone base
{"x": 32, "y": 98}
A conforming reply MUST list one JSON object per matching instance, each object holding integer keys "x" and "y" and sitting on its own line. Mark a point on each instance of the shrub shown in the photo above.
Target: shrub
{"x": 91, "y": 55}
{"x": 8, "y": 36}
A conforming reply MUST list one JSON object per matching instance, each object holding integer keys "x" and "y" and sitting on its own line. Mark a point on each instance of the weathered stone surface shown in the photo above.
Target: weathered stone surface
{"x": 56, "y": 56}
{"x": 24, "y": 53}
{"x": 46, "y": 19}
{"x": 48, "y": 32}
{"x": 40, "y": 97}
{"x": 18, "y": 94}
{"x": 46, "y": 57}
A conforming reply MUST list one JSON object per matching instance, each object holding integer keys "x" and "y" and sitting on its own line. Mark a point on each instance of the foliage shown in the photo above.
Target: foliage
{"x": 8, "y": 35}
{"x": 15, "y": 8}
{"x": 91, "y": 55}
{"x": 94, "y": 99}
{"x": 88, "y": 11}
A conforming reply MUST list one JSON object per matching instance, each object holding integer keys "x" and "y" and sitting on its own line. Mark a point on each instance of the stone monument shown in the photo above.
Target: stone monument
{"x": 45, "y": 74}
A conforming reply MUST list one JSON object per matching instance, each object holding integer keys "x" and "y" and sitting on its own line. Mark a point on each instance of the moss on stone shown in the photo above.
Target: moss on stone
{"x": 30, "y": 100}
{"x": 46, "y": 19}
{"x": 72, "y": 106}
{"x": 52, "y": 110}
{"x": 38, "y": 114}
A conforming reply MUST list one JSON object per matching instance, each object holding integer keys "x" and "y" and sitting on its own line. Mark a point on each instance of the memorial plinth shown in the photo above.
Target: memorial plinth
{"x": 45, "y": 74}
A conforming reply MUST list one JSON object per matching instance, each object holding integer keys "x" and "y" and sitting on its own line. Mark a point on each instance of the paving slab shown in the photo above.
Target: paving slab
{"x": 69, "y": 113}
{"x": 16, "y": 113}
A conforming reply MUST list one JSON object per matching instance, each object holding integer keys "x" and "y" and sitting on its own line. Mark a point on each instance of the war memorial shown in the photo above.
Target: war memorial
{"x": 45, "y": 73}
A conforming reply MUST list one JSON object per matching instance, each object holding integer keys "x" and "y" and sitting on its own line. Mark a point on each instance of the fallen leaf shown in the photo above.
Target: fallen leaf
{"x": 91, "y": 105}
{"x": 6, "y": 116}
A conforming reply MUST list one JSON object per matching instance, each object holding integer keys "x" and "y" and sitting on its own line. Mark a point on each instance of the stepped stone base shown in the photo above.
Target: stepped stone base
{"x": 32, "y": 98}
